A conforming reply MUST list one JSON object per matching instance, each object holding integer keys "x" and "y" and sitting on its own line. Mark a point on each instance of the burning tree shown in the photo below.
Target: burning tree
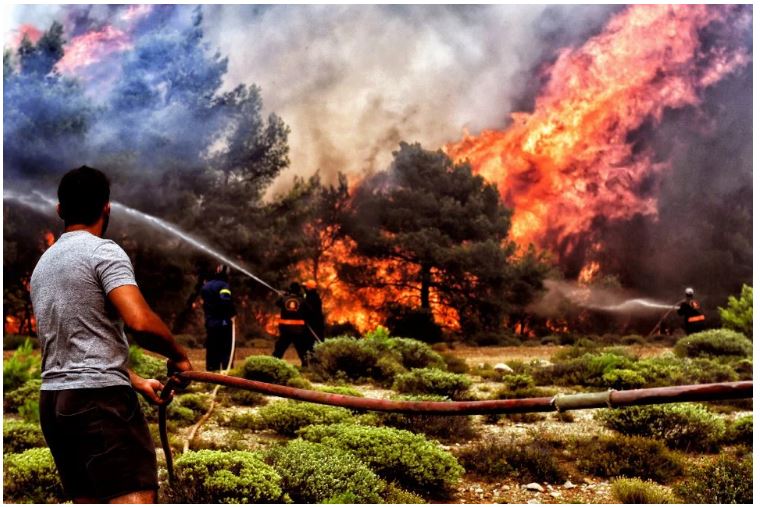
{"x": 444, "y": 233}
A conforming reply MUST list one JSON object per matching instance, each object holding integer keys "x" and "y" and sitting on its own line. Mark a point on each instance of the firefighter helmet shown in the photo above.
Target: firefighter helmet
{"x": 311, "y": 284}
{"x": 689, "y": 292}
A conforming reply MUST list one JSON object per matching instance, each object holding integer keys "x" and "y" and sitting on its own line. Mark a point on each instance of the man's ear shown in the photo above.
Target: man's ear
{"x": 58, "y": 210}
{"x": 107, "y": 209}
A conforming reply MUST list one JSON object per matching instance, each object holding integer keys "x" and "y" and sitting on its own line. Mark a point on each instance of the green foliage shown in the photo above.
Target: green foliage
{"x": 14, "y": 399}
{"x": 637, "y": 491}
{"x": 519, "y": 385}
{"x": 242, "y": 397}
{"x": 433, "y": 381}
{"x": 377, "y": 357}
{"x": 529, "y": 461}
{"x": 395, "y": 455}
{"x": 627, "y": 456}
{"x": 623, "y": 379}
{"x": 398, "y": 496}
{"x": 20, "y": 435}
{"x": 738, "y": 313}
{"x": 740, "y": 431}
{"x": 224, "y": 477}
{"x": 314, "y": 473}
{"x": 344, "y": 390}
{"x": 714, "y": 343}
{"x": 287, "y": 417}
{"x": 669, "y": 371}
{"x": 455, "y": 364}
{"x": 30, "y": 410}
{"x": 197, "y": 402}
{"x": 269, "y": 369}
{"x": 726, "y": 480}
{"x": 23, "y": 365}
{"x": 146, "y": 365}
{"x": 31, "y": 476}
{"x": 586, "y": 370}
{"x": 683, "y": 426}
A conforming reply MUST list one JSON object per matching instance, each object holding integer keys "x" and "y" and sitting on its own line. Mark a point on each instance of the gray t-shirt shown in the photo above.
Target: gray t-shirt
{"x": 81, "y": 334}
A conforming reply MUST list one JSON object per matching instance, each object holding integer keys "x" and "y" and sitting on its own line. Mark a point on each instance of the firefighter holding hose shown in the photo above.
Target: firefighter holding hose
{"x": 292, "y": 324}
{"x": 691, "y": 311}
{"x": 220, "y": 312}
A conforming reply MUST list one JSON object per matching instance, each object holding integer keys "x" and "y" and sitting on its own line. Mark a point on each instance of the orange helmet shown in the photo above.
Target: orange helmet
{"x": 311, "y": 284}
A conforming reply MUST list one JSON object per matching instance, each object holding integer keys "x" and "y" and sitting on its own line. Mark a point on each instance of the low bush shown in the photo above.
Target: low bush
{"x": 287, "y": 417}
{"x": 242, "y": 420}
{"x": 224, "y": 477}
{"x": 433, "y": 381}
{"x": 30, "y": 410}
{"x": 529, "y": 461}
{"x": 669, "y": 370}
{"x": 740, "y": 431}
{"x": 344, "y": 390}
{"x": 455, "y": 364}
{"x": 628, "y": 457}
{"x": 19, "y": 436}
{"x": 376, "y": 357}
{"x": 633, "y": 339}
{"x": 31, "y": 476}
{"x": 230, "y": 395}
{"x": 314, "y": 473}
{"x": 520, "y": 386}
{"x": 146, "y": 365}
{"x": 486, "y": 372}
{"x": 623, "y": 379}
{"x": 28, "y": 390}
{"x": 22, "y": 366}
{"x": 714, "y": 343}
{"x": 399, "y": 496}
{"x": 637, "y": 491}
{"x": 269, "y": 369}
{"x": 197, "y": 402}
{"x": 726, "y": 480}
{"x": 440, "y": 427}
{"x": 395, "y": 455}
{"x": 586, "y": 370}
{"x": 684, "y": 426}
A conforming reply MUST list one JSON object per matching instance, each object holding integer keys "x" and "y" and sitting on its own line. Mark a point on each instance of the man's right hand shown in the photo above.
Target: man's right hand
{"x": 174, "y": 367}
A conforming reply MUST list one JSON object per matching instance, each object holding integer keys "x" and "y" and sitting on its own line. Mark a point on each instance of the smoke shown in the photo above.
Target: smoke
{"x": 563, "y": 297}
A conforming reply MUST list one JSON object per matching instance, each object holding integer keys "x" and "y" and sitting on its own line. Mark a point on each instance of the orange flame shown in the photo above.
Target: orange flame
{"x": 92, "y": 47}
{"x": 570, "y": 161}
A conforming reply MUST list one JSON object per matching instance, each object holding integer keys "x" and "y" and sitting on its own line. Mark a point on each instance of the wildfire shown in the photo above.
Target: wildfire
{"x": 570, "y": 160}
{"x": 92, "y": 47}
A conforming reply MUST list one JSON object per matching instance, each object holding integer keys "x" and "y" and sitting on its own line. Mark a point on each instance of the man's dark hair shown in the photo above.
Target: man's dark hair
{"x": 82, "y": 194}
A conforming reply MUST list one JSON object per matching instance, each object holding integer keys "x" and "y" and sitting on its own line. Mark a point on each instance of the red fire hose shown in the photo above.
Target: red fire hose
{"x": 611, "y": 399}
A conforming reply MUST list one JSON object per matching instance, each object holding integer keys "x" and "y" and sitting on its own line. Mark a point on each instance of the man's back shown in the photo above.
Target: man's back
{"x": 81, "y": 334}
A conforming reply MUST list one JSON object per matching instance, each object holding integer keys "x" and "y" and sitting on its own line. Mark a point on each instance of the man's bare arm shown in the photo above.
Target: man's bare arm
{"x": 149, "y": 330}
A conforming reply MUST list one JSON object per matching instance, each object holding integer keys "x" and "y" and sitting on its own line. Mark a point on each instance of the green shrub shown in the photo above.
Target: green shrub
{"x": 714, "y": 343}
{"x": 242, "y": 420}
{"x": 640, "y": 492}
{"x": 443, "y": 428}
{"x": 287, "y": 417}
{"x": 520, "y": 385}
{"x": 743, "y": 369}
{"x": 455, "y": 364}
{"x": 22, "y": 366}
{"x": 197, "y": 402}
{"x": 19, "y": 436}
{"x": 683, "y": 426}
{"x": 433, "y": 381}
{"x": 586, "y": 370}
{"x": 395, "y": 455}
{"x": 31, "y": 476}
{"x": 14, "y": 399}
{"x": 14, "y": 341}
{"x": 30, "y": 410}
{"x": 529, "y": 461}
{"x": 244, "y": 397}
{"x": 627, "y": 456}
{"x": 738, "y": 313}
{"x": 224, "y": 477}
{"x": 669, "y": 370}
{"x": 314, "y": 473}
{"x": 740, "y": 431}
{"x": 146, "y": 365}
{"x": 633, "y": 339}
{"x": 269, "y": 369}
{"x": 395, "y": 495}
{"x": 726, "y": 480}
{"x": 623, "y": 379}
{"x": 377, "y": 357}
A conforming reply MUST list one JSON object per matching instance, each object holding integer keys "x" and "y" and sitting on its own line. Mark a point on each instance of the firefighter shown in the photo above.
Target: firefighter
{"x": 691, "y": 311}
{"x": 316, "y": 318}
{"x": 292, "y": 324}
{"x": 219, "y": 310}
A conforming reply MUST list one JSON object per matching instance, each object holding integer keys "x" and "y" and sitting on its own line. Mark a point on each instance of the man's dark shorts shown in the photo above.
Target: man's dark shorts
{"x": 99, "y": 440}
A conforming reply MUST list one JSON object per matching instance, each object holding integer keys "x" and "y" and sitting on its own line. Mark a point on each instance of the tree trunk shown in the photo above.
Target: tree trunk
{"x": 184, "y": 315}
{"x": 425, "y": 279}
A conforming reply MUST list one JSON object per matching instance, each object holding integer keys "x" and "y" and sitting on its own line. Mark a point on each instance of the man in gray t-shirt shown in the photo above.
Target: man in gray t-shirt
{"x": 84, "y": 292}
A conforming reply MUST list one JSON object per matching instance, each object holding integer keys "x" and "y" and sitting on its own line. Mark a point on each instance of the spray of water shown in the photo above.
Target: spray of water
{"x": 630, "y": 305}
{"x": 45, "y": 204}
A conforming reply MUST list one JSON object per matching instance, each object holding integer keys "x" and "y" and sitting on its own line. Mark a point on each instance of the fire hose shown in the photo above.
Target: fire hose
{"x": 560, "y": 402}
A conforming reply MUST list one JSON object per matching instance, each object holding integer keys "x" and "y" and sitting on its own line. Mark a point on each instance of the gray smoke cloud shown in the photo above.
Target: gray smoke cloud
{"x": 354, "y": 81}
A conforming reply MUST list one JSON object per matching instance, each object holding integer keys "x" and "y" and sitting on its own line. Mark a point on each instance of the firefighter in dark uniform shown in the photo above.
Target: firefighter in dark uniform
{"x": 292, "y": 324}
{"x": 219, "y": 311}
{"x": 691, "y": 311}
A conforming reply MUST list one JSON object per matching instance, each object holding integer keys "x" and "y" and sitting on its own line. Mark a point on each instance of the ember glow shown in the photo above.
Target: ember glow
{"x": 571, "y": 159}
